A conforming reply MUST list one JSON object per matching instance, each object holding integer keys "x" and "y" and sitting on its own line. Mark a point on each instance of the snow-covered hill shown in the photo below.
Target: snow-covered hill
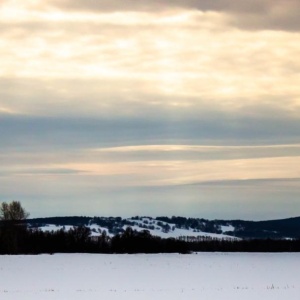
{"x": 155, "y": 227}
{"x": 176, "y": 227}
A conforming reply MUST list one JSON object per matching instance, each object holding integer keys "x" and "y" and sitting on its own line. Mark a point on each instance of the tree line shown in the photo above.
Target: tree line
{"x": 16, "y": 238}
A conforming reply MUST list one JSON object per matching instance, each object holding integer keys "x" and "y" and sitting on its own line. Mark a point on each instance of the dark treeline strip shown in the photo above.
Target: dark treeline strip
{"x": 17, "y": 239}
{"x": 74, "y": 221}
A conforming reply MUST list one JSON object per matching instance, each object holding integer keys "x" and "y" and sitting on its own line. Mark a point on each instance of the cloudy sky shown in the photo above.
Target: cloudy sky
{"x": 154, "y": 108}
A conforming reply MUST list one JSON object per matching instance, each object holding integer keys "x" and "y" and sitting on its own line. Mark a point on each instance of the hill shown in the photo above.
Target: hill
{"x": 177, "y": 226}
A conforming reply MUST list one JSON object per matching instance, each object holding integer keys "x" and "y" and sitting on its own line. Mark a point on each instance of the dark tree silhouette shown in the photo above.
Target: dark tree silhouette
{"x": 12, "y": 226}
{"x": 13, "y": 212}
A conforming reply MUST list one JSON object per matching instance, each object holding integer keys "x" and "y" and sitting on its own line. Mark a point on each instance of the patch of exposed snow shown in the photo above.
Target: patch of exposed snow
{"x": 51, "y": 227}
{"x": 177, "y": 232}
{"x": 226, "y": 228}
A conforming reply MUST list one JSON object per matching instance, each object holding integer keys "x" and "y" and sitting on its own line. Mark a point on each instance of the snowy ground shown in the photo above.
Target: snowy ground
{"x": 205, "y": 276}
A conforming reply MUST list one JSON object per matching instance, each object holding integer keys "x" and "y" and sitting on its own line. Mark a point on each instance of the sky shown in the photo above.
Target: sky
{"x": 138, "y": 107}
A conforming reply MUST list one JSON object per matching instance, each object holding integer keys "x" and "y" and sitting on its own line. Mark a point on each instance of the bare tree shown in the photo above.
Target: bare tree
{"x": 12, "y": 227}
{"x": 12, "y": 211}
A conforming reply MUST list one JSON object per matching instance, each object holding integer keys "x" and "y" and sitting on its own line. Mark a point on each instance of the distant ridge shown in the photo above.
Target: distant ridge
{"x": 178, "y": 226}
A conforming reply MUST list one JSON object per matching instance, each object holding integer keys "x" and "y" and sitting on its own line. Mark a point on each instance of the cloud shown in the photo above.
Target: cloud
{"x": 148, "y": 126}
{"x": 254, "y": 183}
{"x": 167, "y": 152}
{"x": 39, "y": 171}
{"x": 5, "y": 111}
{"x": 161, "y": 68}
{"x": 38, "y": 133}
{"x": 168, "y": 93}
{"x": 156, "y": 165}
{"x": 248, "y": 185}
{"x": 256, "y": 6}
{"x": 274, "y": 15}
{"x": 184, "y": 61}
{"x": 258, "y": 14}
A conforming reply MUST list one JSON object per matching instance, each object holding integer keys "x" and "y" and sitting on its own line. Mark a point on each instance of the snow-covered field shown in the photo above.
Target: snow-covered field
{"x": 214, "y": 276}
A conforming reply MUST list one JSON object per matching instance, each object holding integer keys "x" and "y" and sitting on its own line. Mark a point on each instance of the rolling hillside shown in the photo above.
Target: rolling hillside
{"x": 177, "y": 226}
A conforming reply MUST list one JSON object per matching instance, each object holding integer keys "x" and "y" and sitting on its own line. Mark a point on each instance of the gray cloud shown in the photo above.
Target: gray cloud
{"x": 133, "y": 5}
{"x": 54, "y": 132}
{"x": 59, "y": 133}
{"x": 257, "y": 14}
{"x": 271, "y": 182}
{"x": 38, "y": 171}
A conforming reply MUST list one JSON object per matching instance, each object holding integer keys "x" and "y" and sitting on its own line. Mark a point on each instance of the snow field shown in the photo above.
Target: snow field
{"x": 163, "y": 276}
